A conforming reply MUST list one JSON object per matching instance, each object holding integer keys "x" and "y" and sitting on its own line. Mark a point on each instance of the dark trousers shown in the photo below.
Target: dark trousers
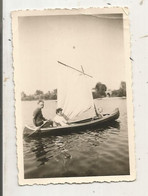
{"x": 49, "y": 123}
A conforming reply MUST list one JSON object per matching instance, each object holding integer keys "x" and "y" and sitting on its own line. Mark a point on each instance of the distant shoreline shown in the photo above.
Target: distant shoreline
{"x": 55, "y": 100}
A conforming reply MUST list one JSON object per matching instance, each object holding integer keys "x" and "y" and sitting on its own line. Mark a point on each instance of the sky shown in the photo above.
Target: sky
{"x": 95, "y": 42}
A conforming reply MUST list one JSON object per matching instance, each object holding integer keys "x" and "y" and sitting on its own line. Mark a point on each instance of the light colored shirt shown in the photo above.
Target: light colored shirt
{"x": 60, "y": 120}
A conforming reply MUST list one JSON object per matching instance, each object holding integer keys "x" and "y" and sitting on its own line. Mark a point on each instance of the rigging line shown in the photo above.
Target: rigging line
{"x": 92, "y": 96}
{"x": 74, "y": 69}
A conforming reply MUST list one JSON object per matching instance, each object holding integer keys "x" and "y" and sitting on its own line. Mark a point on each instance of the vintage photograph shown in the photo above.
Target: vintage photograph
{"x": 74, "y": 113}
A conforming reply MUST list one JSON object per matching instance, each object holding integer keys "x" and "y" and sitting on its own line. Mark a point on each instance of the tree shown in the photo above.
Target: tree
{"x": 39, "y": 92}
{"x": 23, "y": 95}
{"x": 121, "y": 92}
{"x": 100, "y": 89}
{"x": 115, "y": 93}
{"x": 47, "y": 96}
{"x": 123, "y": 88}
{"x": 123, "y": 85}
{"x": 54, "y": 94}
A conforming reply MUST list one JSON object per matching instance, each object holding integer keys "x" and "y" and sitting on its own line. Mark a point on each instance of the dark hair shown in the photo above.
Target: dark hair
{"x": 39, "y": 101}
{"x": 58, "y": 110}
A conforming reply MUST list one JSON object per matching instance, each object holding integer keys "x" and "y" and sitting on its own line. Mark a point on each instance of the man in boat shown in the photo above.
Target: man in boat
{"x": 59, "y": 119}
{"x": 38, "y": 118}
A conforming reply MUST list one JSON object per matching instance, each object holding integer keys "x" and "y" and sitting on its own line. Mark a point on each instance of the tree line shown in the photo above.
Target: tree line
{"x": 99, "y": 91}
{"x": 50, "y": 95}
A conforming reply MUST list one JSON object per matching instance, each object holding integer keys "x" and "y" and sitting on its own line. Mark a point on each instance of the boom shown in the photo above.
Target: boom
{"x": 74, "y": 69}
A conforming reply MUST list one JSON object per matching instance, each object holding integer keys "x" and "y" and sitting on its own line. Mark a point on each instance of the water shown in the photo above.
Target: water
{"x": 100, "y": 152}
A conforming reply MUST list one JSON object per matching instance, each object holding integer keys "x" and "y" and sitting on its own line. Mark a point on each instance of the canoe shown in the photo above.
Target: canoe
{"x": 75, "y": 126}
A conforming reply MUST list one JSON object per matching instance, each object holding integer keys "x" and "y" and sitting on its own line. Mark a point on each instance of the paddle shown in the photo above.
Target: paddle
{"x": 37, "y": 129}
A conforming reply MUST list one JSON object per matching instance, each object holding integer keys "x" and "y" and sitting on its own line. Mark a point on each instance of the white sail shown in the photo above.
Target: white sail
{"x": 74, "y": 94}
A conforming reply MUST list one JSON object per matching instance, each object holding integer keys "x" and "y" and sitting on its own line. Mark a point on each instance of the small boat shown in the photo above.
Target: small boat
{"x": 76, "y": 100}
{"x": 88, "y": 124}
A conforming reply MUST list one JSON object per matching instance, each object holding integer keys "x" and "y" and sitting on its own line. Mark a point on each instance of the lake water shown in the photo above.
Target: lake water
{"x": 100, "y": 152}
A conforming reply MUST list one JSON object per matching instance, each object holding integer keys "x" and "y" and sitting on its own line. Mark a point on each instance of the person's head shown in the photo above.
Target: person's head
{"x": 41, "y": 104}
{"x": 59, "y": 111}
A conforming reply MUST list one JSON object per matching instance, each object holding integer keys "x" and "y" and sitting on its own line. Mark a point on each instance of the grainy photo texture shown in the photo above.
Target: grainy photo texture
{"x": 74, "y": 113}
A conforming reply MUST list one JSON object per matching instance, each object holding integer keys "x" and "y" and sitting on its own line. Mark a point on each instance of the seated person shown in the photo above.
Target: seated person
{"x": 59, "y": 119}
{"x": 38, "y": 118}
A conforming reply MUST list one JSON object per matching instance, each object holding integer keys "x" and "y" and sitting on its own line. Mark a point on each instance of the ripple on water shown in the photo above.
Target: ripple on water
{"x": 92, "y": 153}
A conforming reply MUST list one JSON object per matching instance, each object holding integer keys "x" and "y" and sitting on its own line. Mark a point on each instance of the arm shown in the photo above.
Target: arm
{"x": 38, "y": 118}
{"x": 44, "y": 119}
{"x": 35, "y": 114}
{"x": 64, "y": 122}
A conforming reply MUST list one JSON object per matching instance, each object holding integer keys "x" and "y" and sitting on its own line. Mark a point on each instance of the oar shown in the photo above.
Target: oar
{"x": 38, "y": 128}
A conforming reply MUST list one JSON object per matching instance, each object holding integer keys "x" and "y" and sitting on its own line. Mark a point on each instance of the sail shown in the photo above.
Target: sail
{"x": 74, "y": 94}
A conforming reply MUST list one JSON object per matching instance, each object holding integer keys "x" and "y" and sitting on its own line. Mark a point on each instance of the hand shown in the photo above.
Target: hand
{"x": 48, "y": 120}
{"x": 38, "y": 129}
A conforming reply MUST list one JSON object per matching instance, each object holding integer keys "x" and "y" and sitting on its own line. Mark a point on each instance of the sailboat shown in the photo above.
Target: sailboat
{"x": 76, "y": 100}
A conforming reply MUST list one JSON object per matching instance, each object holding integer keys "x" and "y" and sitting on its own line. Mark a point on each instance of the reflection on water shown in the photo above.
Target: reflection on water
{"x": 103, "y": 151}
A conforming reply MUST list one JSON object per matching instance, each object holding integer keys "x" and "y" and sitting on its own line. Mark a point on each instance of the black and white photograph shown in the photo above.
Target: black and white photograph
{"x": 74, "y": 113}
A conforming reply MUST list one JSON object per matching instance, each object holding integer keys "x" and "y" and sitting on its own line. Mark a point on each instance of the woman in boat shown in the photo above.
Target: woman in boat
{"x": 38, "y": 118}
{"x": 59, "y": 119}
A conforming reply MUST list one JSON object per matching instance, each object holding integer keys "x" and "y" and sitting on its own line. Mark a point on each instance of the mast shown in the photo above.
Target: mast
{"x": 94, "y": 103}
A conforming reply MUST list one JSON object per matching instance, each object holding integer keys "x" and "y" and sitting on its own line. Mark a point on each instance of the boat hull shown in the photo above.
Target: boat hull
{"x": 79, "y": 126}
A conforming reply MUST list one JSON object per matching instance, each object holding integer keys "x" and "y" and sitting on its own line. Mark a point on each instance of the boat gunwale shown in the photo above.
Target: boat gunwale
{"x": 89, "y": 123}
